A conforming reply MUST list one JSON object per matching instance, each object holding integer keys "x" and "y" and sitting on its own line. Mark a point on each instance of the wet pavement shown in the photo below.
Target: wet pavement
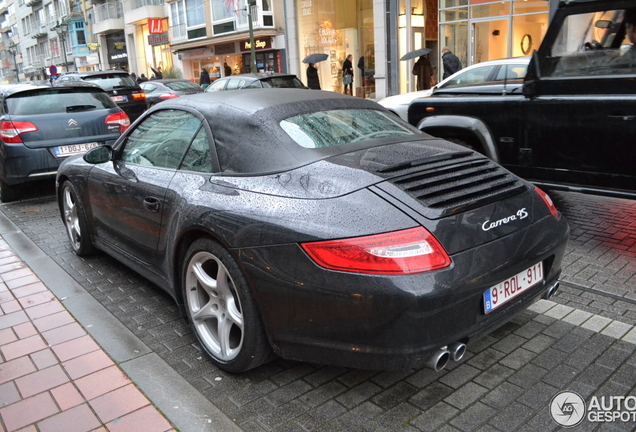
{"x": 583, "y": 340}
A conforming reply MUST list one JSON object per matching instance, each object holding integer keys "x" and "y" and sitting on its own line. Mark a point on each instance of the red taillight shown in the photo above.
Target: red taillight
{"x": 544, "y": 196}
{"x": 139, "y": 96}
{"x": 10, "y": 131}
{"x": 410, "y": 251}
{"x": 119, "y": 118}
{"x": 168, "y": 96}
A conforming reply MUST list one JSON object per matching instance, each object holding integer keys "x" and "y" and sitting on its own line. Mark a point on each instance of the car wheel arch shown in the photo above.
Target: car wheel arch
{"x": 473, "y": 130}
{"x": 182, "y": 244}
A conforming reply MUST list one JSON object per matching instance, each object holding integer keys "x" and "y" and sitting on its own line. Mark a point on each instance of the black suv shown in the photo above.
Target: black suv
{"x": 121, "y": 87}
{"x": 41, "y": 125}
{"x": 572, "y": 124}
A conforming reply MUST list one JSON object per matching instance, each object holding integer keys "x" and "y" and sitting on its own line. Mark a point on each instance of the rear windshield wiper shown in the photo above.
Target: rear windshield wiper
{"x": 74, "y": 108}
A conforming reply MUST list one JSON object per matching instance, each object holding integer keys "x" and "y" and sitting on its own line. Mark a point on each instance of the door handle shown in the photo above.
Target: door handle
{"x": 151, "y": 204}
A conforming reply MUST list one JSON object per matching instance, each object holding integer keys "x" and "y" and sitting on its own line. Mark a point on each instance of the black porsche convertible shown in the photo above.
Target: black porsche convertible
{"x": 315, "y": 226}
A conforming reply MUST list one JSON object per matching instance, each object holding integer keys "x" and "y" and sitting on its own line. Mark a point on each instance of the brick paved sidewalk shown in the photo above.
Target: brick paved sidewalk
{"x": 53, "y": 376}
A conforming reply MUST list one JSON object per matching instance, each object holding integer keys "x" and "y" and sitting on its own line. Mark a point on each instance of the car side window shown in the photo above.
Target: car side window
{"x": 591, "y": 44}
{"x": 511, "y": 72}
{"x": 477, "y": 75}
{"x": 235, "y": 83}
{"x": 217, "y": 85}
{"x": 198, "y": 157}
{"x": 161, "y": 140}
{"x": 255, "y": 84}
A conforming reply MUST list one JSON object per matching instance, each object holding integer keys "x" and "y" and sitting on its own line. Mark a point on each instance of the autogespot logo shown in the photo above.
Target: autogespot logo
{"x": 567, "y": 409}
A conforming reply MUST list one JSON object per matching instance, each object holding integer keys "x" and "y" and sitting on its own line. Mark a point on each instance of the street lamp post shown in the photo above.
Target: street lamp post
{"x": 250, "y": 4}
{"x": 13, "y": 51}
{"x": 61, "y": 32}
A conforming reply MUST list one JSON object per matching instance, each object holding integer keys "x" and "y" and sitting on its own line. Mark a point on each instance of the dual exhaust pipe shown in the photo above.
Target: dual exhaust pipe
{"x": 456, "y": 351}
{"x": 442, "y": 356}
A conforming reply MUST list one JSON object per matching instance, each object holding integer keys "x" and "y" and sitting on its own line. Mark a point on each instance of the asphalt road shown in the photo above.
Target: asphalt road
{"x": 505, "y": 383}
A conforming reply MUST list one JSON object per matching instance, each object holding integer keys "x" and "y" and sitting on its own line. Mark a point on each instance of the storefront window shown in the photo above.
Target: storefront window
{"x": 452, "y": 3}
{"x": 527, "y": 33}
{"x": 338, "y": 29}
{"x": 455, "y": 14}
{"x": 497, "y": 9}
{"x": 528, "y": 6}
{"x": 454, "y": 36}
{"x": 488, "y": 30}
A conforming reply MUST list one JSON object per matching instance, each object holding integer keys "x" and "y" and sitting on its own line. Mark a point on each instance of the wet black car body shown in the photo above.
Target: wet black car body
{"x": 159, "y": 90}
{"x": 290, "y": 223}
{"x": 256, "y": 81}
{"x": 573, "y": 123}
{"x": 41, "y": 125}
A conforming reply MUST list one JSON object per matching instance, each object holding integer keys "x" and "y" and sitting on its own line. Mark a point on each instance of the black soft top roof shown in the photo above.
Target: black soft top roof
{"x": 246, "y": 125}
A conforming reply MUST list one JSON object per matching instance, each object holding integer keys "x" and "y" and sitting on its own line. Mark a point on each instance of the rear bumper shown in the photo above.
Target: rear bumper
{"x": 20, "y": 164}
{"x": 395, "y": 322}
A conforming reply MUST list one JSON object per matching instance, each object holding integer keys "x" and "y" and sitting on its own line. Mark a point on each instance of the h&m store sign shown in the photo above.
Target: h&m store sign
{"x": 259, "y": 44}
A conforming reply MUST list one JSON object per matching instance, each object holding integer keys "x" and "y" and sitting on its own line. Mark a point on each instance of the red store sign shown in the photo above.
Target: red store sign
{"x": 155, "y": 25}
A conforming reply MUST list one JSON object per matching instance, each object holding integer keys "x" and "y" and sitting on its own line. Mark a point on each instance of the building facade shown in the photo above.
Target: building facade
{"x": 189, "y": 35}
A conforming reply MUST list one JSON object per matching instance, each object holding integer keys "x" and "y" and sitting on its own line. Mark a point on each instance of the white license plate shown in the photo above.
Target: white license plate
{"x": 69, "y": 150}
{"x": 511, "y": 288}
{"x": 122, "y": 98}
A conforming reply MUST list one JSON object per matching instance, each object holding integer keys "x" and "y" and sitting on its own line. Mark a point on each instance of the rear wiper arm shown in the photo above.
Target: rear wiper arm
{"x": 74, "y": 108}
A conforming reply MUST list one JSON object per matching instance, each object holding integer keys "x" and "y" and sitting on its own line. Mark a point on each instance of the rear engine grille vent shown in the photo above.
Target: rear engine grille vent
{"x": 454, "y": 183}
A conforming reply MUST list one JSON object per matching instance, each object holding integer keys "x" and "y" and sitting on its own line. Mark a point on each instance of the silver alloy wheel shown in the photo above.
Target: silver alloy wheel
{"x": 214, "y": 306}
{"x": 71, "y": 219}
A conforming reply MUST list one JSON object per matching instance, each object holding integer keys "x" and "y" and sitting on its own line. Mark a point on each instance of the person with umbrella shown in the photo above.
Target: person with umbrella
{"x": 313, "y": 81}
{"x": 423, "y": 70}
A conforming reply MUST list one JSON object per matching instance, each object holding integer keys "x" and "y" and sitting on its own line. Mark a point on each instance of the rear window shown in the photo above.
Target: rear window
{"x": 283, "y": 82}
{"x": 57, "y": 101}
{"x": 344, "y": 126}
{"x": 182, "y": 85}
{"x": 112, "y": 81}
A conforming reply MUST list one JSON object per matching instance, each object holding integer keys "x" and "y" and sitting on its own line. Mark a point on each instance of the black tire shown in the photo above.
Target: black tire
{"x": 75, "y": 221}
{"x": 221, "y": 309}
{"x": 8, "y": 193}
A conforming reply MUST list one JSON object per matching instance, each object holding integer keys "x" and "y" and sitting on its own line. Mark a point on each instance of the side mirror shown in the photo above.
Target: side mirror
{"x": 98, "y": 155}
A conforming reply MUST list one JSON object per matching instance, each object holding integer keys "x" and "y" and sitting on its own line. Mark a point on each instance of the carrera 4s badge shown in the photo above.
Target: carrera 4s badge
{"x": 521, "y": 214}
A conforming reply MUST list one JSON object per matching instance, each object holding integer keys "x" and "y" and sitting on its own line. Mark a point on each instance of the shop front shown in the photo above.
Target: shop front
{"x": 338, "y": 29}
{"x": 231, "y": 58}
{"x": 117, "y": 52}
{"x": 481, "y": 30}
{"x": 153, "y": 46}
{"x": 267, "y": 59}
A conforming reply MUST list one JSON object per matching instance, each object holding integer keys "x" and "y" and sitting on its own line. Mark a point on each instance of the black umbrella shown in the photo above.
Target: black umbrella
{"x": 417, "y": 53}
{"x": 315, "y": 58}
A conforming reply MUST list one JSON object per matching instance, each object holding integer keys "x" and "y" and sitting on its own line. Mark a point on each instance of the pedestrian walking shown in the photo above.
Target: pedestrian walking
{"x": 451, "y": 62}
{"x": 347, "y": 75}
{"x": 204, "y": 78}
